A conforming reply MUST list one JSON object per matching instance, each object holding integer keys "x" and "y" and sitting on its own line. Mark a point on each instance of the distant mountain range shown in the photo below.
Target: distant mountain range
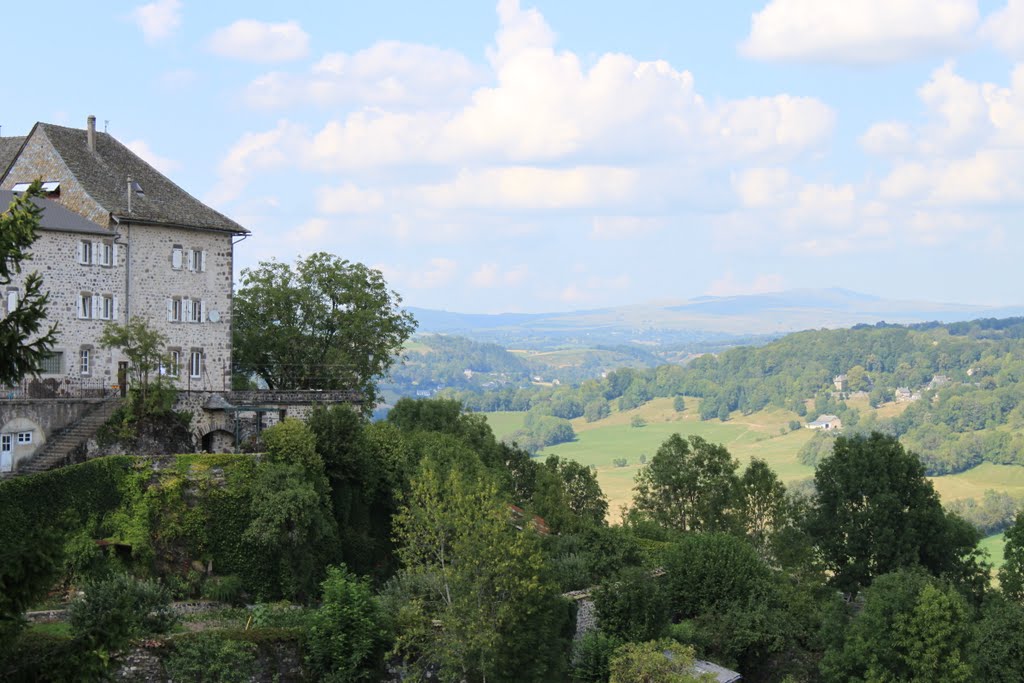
{"x": 703, "y": 319}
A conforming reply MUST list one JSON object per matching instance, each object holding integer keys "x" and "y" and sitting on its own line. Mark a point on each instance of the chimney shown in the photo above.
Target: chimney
{"x": 90, "y": 132}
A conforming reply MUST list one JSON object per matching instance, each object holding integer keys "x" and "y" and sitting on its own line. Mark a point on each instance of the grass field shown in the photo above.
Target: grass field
{"x": 746, "y": 436}
{"x": 993, "y": 545}
{"x": 600, "y": 443}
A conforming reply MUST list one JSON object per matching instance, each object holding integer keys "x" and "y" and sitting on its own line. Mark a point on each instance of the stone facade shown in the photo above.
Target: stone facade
{"x": 177, "y": 278}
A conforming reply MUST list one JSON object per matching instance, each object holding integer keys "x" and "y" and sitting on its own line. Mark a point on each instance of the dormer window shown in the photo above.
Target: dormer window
{"x": 50, "y": 188}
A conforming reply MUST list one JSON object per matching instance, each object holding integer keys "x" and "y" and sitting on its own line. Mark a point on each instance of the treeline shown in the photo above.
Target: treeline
{"x": 967, "y": 381}
{"x": 434, "y": 552}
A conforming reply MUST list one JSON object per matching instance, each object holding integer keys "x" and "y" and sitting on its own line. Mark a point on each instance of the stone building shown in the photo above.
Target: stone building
{"x": 156, "y": 252}
{"x": 118, "y": 240}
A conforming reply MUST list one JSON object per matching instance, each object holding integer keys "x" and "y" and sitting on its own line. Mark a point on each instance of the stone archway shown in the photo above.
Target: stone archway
{"x": 218, "y": 441}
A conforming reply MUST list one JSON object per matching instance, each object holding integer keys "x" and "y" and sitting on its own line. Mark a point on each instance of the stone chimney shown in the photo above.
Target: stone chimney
{"x": 90, "y": 132}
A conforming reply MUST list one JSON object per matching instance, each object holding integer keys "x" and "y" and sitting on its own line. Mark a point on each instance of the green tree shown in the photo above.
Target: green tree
{"x": 141, "y": 344}
{"x": 997, "y": 651}
{"x": 679, "y": 404}
{"x": 762, "y": 502}
{"x": 875, "y": 512}
{"x": 488, "y": 595}
{"x": 631, "y": 605}
{"x": 1011, "y": 574}
{"x": 912, "y": 628}
{"x": 689, "y": 485}
{"x": 344, "y": 639}
{"x": 656, "y": 661}
{"x": 326, "y": 324}
{"x": 22, "y": 347}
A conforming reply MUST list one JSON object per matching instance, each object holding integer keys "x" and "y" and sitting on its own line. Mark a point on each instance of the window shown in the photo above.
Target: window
{"x": 195, "y": 364}
{"x": 197, "y": 260}
{"x": 196, "y": 313}
{"x": 24, "y": 437}
{"x": 52, "y": 364}
{"x": 109, "y": 311}
{"x": 83, "y": 361}
{"x": 12, "y": 300}
{"x": 85, "y": 306}
{"x": 174, "y": 362}
{"x": 107, "y": 254}
{"x": 85, "y": 252}
{"x": 174, "y": 310}
{"x": 176, "y": 253}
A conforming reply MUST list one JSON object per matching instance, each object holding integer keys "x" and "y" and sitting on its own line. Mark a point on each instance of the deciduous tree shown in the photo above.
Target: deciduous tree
{"x": 327, "y": 323}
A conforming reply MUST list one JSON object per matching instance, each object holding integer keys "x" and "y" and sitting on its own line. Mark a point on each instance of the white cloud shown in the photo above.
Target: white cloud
{"x": 388, "y": 73}
{"x": 729, "y": 285}
{"x": 160, "y": 163}
{"x": 762, "y": 187}
{"x": 259, "y": 41}
{"x": 440, "y": 273}
{"x": 490, "y": 275}
{"x": 1005, "y": 28}
{"x": 158, "y": 20}
{"x": 860, "y": 32}
{"x": 544, "y": 108}
{"x": 527, "y": 187}
{"x": 253, "y": 152}
{"x": 890, "y": 138}
{"x": 347, "y": 198}
{"x": 313, "y": 230}
{"x": 624, "y": 227}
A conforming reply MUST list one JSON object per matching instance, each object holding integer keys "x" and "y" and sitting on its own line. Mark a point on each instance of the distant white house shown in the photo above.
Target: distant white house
{"x": 827, "y": 422}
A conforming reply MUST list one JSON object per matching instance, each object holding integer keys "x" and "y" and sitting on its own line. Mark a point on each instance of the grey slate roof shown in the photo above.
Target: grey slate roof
{"x": 56, "y": 217}
{"x": 103, "y": 175}
{"x": 8, "y": 150}
{"x": 721, "y": 674}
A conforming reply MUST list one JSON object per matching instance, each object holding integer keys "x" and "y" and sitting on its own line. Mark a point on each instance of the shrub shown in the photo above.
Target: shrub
{"x": 116, "y": 609}
{"x": 591, "y": 657}
{"x": 291, "y": 441}
{"x": 637, "y": 421}
{"x": 227, "y": 589}
{"x": 620, "y": 462}
{"x": 679, "y": 404}
{"x": 344, "y": 641}
{"x": 632, "y": 605}
{"x": 211, "y": 657}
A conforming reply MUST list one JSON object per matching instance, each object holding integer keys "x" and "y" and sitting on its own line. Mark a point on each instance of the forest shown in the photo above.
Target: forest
{"x": 421, "y": 546}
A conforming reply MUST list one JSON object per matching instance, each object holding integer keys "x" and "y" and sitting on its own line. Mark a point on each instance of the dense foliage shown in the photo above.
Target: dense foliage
{"x": 22, "y": 346}
{"x": 327, "y": 323}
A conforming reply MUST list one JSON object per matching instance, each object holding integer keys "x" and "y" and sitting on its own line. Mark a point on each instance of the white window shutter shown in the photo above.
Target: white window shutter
{"x": 186, "y": 310}
{"x": 92, "y": 306}
{"x": 115, "y": 255}
{"x": 188, "y": 258}
{"x": 202, "y": 311}
{"x": 176, "y": 259}
{"x": 202, "y": 261}
{"x": 114, "y": 312}
{"x": 170, "y": 310}
{"x": 81, "y": 306}
{"x": 12, "y": 300}
{"x": 81, "y": 252}
{"x": 97, "y": 252}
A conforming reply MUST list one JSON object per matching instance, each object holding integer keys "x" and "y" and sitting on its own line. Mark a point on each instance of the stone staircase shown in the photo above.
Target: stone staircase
{"x": 58, "y": 449}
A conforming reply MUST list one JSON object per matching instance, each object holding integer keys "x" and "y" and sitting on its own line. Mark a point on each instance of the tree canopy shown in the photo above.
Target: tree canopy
{"x": 327, "y": 323}
{"x": 22, "y": 347}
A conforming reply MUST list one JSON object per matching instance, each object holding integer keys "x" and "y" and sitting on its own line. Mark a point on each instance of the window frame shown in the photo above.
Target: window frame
{"x": 195, "y": 364}
{"x": 85, "y": 361}
{"x": 24, "y": 438}
{"x": 48, "y": 361}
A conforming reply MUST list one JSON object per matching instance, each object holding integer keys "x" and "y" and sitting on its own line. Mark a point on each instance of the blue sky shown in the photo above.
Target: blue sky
{"x": 557, "y": 155}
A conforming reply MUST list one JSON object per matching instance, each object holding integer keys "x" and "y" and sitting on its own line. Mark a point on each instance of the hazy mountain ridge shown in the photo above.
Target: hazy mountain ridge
{"x": 706, "y": 318}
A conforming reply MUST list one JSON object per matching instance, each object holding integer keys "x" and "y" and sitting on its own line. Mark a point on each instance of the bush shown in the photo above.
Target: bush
{"x": 620, "y": 462}
{"x": 119, "y": 608}
{"x": 292, "y": 441}
{"x": 212, "y": 658}
{"x": 637, "y": 421}
{"x": 679, "y": 404}
{"x": 632, "y": 605}
{"x": 227, "y": 589}
{"x": 344, "y": 641}
{"x": 591, "y": 657}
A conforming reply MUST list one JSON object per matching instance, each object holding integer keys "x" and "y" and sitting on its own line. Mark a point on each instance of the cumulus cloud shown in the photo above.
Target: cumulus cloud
{"x": 160, "y": 163}
{"x": 862, "y": 32}
{"x": 1005, "y": 28}
{"x": 258, "y": 41}
{"x": 348, "y": 198}
{"x": 388, "y": 73}
{"x": 158, "y": 20}
{"x": 545, "y": 108}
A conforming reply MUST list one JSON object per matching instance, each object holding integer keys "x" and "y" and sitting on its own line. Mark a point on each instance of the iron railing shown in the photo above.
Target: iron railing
{"x": 57, "y": 387}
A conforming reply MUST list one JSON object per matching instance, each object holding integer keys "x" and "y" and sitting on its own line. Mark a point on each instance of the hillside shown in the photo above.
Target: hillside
{"x": 706, "y": 319}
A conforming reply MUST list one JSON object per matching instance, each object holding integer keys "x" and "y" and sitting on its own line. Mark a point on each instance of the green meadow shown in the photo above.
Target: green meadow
{"x": 993, "y": 545}
{"x": 746, "y": 436}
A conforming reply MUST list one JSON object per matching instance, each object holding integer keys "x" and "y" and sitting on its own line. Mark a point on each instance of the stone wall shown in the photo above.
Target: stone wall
{"x": 279, "y": 662}
{"x": 42, "y": 418}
